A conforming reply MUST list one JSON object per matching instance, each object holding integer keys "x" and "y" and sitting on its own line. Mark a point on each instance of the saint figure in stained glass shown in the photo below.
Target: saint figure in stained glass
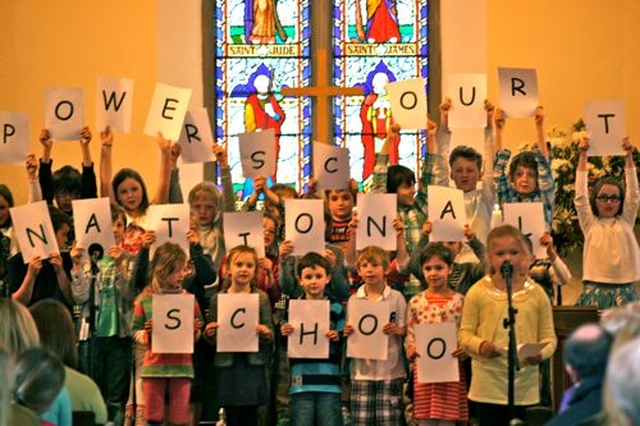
{"x": 382, "y": 22}
{"x": 376, "y": 118}
{"x": 262, "y": 109}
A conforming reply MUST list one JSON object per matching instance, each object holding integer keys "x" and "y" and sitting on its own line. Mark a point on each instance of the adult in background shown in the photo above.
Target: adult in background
{"x": 586, "y": 356}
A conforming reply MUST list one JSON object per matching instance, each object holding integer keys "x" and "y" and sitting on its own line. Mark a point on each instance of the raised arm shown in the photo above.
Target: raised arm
{"x": 426, "y": 177}
{"x": 628, "y": 149}
{"x": 632, "y": 196}
{"x": 228, "y": 197}
{"x": 85, "y": 140}
{"x": 489, "y": 138}
{"x": 22, "y": 280}
{"x": 498, "y": 126}
{"x": 35, "y": 193}
{"x": 88, "y": 187}
{"x": 379, "y": 184}
{"x": 581, "y": 200}
{"x": 583, "y": 147}
{"x": 443, "y": 141}
{"x": 44, "y": 172}
{"x": 106, "y": 137}
{"x": 541, "y": 137}
{"x": 175, "y": 190}
{"x": 162, "y": 191}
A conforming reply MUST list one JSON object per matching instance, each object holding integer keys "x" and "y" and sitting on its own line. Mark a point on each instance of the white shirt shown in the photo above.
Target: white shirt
{"x": 610, "y": 254}
{"x": 393, "y": 367}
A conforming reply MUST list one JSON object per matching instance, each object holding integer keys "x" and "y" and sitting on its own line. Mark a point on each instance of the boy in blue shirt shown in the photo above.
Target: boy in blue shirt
{"x": 316, "y": 383}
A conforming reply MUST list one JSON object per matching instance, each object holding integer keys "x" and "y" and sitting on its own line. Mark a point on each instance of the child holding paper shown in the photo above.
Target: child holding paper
{"x": 400, "y": 180}
{"x": 44, "y": 278}
{"x": 611, "y": 256}
{"x": 113, "y": 305}
{"x": 67, "y": 184}
{"x": 483, "y": 335}
{"x": 267, "y": 268}
{"x": 339, "y": 204}
{"x": 465, "y": 168}
{"x": 8, "y": 241}
{"x": 164, "y": 371}
{"x": 202, "y": 273}
{"x": 316, "y": 384}
{"x": 207, "y": 205}
{"x": 530, "y": 178}
{"x": 436, "y": 403}
{"x": 129, "y": 191}
{"x": 463, "y": 274}
{"x": 376, "y": 385}
{"x": 244, "y": 374}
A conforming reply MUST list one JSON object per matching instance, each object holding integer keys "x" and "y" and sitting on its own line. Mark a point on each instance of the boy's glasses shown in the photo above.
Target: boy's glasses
{"x": 612, "y": 198}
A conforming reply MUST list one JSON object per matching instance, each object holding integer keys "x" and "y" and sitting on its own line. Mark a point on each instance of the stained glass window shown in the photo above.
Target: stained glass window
{"x": 262, "y": 46}
{"x": 375, "y": 42}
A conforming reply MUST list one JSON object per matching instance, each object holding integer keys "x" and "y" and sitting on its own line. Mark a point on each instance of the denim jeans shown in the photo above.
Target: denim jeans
{"x": 316, "y": 408}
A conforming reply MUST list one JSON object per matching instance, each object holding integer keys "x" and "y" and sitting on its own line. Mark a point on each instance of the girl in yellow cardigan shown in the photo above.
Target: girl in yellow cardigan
{"x": 483, "y": 335}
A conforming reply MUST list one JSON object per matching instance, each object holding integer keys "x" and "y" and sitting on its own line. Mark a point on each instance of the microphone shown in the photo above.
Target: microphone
{"x": 96, "y": 251}
{"x": 506, "y": 269}
{"x": 95, "y": 254}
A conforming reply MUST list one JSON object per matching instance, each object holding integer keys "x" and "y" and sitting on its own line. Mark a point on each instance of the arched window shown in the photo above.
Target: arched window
{"x": 262, "y": 46}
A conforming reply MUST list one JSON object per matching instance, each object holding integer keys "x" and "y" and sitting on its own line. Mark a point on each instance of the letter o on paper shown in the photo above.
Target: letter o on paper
{"x": 440, "y": 344}
{"x": 408, "y": 100}
{"x": 361, "y": 323}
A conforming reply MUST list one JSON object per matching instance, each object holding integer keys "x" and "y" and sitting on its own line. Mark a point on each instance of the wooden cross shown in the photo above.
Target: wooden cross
{"x": 322, "y": 92}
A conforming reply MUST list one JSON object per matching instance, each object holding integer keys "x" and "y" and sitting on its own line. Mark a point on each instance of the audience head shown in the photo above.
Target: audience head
{"x": 55, "y": 327}
{"x": 607, "y": 197}
{"x": 6, "y": 382}
{"x": 39, "y": 379}
{"x": 6, "y": 202}
{"x": 506, "y": 243}
{"x": 168, "y": 268}
{"x": 401, "y": 181}
{"x": 204, "y": 201}
{"x": 67, "y": 185}
{"x": 586, "y": 351}
{"x": 622, "y": 384}
{"x": 18, "y": 331}
{"x": 465, "y": 164}
{"x": 523, "y": 173}
{"x": 130, "y": 191}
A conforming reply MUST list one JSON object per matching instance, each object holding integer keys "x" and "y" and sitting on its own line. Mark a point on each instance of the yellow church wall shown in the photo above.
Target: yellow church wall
{"x": 71, "y": 43}
{"x": 583, "y": 50}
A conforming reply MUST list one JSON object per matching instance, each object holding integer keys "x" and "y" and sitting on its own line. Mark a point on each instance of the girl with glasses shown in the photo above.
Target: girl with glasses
{"x": 611, "y": 257}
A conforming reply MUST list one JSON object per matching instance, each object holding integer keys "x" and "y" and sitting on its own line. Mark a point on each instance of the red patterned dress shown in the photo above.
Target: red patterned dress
{"x": 443, "y": 401}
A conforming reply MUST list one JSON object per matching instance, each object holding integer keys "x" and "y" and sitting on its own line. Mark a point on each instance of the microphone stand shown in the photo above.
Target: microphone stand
{"x": 95, "y": 256}
{"x": 510, "y": 323}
